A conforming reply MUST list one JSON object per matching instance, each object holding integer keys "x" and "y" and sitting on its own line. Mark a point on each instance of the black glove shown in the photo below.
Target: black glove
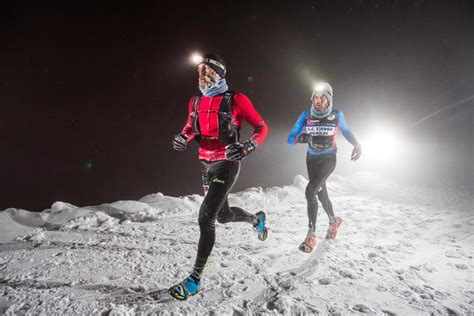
{"x": 356, "y": 152}
{"x": 304, "y": 138}
{"x": 238, "y": 151}
{"x": 180, "y": 142}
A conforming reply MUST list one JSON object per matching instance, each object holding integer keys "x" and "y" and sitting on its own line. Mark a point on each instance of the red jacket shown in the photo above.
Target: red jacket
{"x": 242, "y": 109}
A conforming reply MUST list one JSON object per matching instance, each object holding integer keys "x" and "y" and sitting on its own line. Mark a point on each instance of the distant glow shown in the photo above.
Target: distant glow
{"x": 196, "y": 58}
{"x": 382, "y": 146}
{"x": 88, "y": 165}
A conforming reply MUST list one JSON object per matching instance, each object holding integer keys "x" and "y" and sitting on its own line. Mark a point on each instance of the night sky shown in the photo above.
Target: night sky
{"x": 91, "y": 94}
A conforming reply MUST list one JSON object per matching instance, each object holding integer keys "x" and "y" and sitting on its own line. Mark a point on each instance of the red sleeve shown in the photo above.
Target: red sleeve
{"x": 246, "y": 111}
{"x": 188, "y": 128}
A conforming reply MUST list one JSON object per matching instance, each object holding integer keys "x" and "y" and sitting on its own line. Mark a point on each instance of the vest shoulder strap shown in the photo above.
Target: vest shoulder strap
{"x": 226, "y": 102}
{"x": 196, "y": 100}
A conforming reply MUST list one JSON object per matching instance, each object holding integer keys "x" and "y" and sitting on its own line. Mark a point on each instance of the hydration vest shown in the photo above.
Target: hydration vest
{"x": 228, "y": 132}
{"x": 323, "y": 130}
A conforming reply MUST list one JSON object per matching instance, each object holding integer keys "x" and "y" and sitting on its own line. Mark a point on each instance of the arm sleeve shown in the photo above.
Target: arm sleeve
{"x": 297, "y": 128}
{"x": 247, "y": 112}
{"x": 348, "y": 135}
{"x": 188, "y": 127}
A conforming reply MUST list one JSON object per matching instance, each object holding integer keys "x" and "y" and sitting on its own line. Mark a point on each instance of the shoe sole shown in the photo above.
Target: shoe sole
{"x": 179, "y": 297}
{"x": 263, "y": 234}
{"x": 175, "y": 294}
{"x": 304, "y": 248}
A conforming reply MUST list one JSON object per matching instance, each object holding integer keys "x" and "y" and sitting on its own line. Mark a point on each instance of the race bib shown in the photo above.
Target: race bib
{"x": 321, "y": 130}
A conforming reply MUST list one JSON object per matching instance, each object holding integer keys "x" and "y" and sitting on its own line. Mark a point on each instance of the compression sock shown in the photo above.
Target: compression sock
{"x": 199, "y": 265}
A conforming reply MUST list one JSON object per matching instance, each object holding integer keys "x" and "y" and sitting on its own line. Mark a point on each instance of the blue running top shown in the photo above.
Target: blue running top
{"x": 322, "y": 130}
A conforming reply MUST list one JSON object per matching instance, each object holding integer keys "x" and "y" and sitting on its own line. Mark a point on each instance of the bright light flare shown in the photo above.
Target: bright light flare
{"x": 196, "y": 59}
{"x": 382, "y": 146}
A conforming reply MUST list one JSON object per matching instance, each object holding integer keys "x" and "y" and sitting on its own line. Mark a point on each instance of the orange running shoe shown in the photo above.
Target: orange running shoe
{"x": 332, "y": 230}
{"x": 309, "y": 242}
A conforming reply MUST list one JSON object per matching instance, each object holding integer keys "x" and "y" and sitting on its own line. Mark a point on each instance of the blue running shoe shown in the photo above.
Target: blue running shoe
{"x": 185, "y": 289}
{"x": 260, "y": 226}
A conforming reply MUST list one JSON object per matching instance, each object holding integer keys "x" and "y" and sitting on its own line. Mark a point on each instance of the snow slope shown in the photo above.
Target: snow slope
{"x": 400, "y": 251}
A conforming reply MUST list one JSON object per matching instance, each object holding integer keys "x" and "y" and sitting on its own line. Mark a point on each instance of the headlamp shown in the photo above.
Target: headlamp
{"x": 196, "y": 59}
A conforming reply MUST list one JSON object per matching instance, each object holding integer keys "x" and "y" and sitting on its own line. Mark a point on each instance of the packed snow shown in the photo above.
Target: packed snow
{"x": 401, "y": 250}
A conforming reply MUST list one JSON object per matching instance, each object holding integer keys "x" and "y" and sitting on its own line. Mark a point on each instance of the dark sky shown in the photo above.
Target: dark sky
{"x": 91, "y": 94}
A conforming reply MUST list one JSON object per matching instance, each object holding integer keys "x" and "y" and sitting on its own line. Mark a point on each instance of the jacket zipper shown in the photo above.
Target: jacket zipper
{"x": 209, "y": 115}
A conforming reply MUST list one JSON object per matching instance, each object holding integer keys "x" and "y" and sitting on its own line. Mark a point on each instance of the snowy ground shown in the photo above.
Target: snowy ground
{"x": 400, "y": 251}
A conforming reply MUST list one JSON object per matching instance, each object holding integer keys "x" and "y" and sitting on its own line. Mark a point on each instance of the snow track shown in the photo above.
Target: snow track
{"x": 400, "y": 251}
